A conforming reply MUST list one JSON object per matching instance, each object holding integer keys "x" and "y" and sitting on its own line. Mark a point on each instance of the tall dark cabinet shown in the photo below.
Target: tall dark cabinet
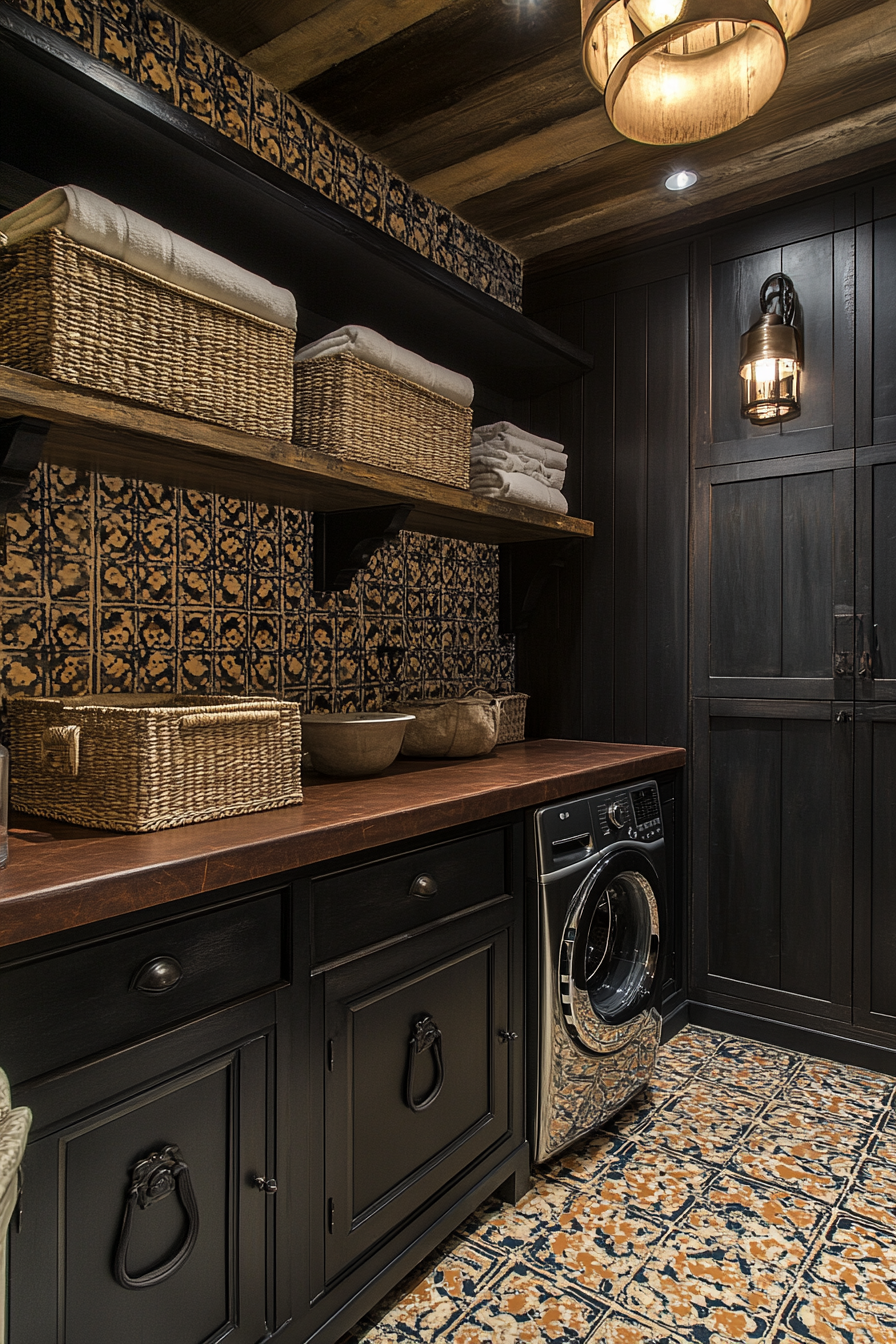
{"x": 793, "y": 635}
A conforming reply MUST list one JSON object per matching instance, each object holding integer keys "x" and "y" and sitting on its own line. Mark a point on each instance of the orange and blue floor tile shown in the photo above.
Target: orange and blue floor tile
{"x": 748, "y": 1194}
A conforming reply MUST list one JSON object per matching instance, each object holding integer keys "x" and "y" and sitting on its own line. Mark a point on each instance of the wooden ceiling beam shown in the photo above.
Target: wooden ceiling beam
{"x": 337, "y": 32}
{"x": 833, "y": 146}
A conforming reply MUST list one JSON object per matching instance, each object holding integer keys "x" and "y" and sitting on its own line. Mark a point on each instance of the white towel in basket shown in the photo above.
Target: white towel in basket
{"x": 375, "y": 349}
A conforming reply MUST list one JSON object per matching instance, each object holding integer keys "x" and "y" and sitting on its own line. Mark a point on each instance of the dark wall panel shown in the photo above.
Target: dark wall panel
{"x": 745, "y": 638}
{"x": 807, "y": 574}
{"x": 884, "y": 330}
{"x": 807, "y": 860}
{"x": 630, "y": 507}
{"x": 883, "y": 870}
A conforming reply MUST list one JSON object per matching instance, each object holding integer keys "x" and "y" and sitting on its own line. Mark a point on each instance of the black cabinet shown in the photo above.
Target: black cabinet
{"x": 794, "y": 773}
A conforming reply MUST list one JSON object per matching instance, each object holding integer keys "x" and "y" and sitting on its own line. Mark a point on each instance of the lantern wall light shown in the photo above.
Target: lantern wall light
{"x": 676, "y": 71}
{"x": 771, "y": 357}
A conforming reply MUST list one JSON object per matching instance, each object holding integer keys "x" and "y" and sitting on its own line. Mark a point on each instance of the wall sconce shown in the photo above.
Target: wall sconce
{"x": 676, "y": 71}
{"x": 771, "y": 357}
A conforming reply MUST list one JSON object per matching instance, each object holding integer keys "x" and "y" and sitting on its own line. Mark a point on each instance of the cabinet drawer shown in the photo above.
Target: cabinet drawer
{"x": 84, "y": 1000}
{"x": 377, "y": 901}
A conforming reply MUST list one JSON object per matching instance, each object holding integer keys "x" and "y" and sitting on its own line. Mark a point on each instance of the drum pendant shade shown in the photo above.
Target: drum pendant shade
{"x": 676, "y": 71}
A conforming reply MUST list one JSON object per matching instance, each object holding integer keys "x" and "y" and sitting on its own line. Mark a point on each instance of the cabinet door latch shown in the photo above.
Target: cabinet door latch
{"x": 508, "y": 1036}
{"x": 266, "y": 1184}
{"x": 331, "y": 1215}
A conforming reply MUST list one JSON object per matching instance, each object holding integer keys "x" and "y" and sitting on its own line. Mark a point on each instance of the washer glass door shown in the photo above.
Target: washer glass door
{"x": 611, "y": 950}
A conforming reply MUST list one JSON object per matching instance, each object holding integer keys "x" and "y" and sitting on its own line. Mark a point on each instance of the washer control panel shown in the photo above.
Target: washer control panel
{"x": 572, "y": 831}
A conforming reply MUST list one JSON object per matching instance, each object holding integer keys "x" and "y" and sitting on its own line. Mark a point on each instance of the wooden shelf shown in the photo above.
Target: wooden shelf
{"x": 121, "y": 439}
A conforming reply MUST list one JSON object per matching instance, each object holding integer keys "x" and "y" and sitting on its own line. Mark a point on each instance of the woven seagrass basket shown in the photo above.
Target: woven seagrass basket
{"x": 512, "y": 723}
{"x": 148, "y": 762}
{"x": 70, "y": 313}
{"x": 351, "y": 409}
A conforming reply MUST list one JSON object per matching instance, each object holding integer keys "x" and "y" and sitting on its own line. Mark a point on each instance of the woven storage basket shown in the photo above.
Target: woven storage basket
{"x": 350, "y": 409}
{"x": 70, "y": 313}
{"x": 512, "y": 724}
{"x": 147, "y": 762}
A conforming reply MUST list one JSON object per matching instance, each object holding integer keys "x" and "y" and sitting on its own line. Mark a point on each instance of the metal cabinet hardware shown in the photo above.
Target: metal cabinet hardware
{"x": 158, "y": 975}
{"x": 424, "y": 886}
{"x": 155, "y": 1178}
{"x": 425, "y": 1036}
{"x": 266, "y": 1184}
{"x": 844, "y": 716}
{"x": 508, "y": 1035}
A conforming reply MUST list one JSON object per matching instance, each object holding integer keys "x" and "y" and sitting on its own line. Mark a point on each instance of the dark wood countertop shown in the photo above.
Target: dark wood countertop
{"x": 60, "y": 877}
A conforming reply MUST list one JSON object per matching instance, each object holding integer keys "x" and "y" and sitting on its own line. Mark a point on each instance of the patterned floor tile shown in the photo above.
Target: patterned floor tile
{"x": 595, "y": 1243}
{"x": 702, "y": 1123}
{"x": 525, "y": 1307}
{"x": 850, "y": 1094}
{"x": 656, "y": 1182}
{"x": 690, "y": 1049}
{"x": 762, "y": 1072}
{"x": 621, "y": 1328}
{"x": 785, "y": 1157}
{"x": 584, "y": 1160}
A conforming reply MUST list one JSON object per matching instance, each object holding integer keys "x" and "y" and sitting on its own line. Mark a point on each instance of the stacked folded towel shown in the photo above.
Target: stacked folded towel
{"x": 507, "y": 462}
{"x": 375, "y": 349}
{"x": 121, "y": 233}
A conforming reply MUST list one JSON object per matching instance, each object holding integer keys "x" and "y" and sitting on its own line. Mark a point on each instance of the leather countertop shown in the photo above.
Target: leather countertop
{"x": 60, "y": 877}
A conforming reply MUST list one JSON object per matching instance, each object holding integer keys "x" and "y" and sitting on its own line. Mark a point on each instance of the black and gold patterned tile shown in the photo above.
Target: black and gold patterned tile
{"x": 157, "y": 672}
{"x": 74, "y": 19}
{"x": 24, "y": 673}
{"x": 323, "y": 161}
{"x": 395, "y": 208}
{"x": 156, "y": 583}
{"x": 295, "y": 139}
{"x": 69, "y": 674}
{"x": 114, "y": 42}
{"x": 372, "y": 186}
{"x": 349, "y": 171}
{"x": 117, "y": 671}
{"x": 23, "y": 626}
{"x": 117, "y": 628}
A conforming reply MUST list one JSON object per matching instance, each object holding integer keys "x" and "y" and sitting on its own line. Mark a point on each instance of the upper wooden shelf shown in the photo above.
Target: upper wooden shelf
{"x": 67, "y": 117}
{"x": 116, "y": 437}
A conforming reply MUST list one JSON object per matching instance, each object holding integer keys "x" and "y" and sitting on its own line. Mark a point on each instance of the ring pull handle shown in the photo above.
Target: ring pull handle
{"x": 154, "y": 1178}
{"x": 426, "y": 1036}
{"x": 424, "y": 886}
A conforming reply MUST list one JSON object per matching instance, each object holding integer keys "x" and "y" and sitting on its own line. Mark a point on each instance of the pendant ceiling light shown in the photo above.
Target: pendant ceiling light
{"x": 676, "y": 71}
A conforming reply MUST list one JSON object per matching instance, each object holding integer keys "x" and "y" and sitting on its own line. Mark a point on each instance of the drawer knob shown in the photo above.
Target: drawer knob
{"x": 266, "y": 1184}
{"x": 158, "y": 975}
{"x": 424, "y": 886}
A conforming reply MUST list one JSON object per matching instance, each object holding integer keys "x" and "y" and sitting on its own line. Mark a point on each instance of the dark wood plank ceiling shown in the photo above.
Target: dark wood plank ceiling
{"x": 482, "y": 105}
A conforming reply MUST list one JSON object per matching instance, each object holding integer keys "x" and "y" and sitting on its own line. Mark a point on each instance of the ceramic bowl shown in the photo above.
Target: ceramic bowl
{"x": 353, "y": 743}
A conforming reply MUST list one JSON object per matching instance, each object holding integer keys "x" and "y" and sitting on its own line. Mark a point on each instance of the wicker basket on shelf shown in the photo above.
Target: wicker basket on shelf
{"x": 146, "y": 762}
{"x": 71, "y": 313}
{"x": 512, "y": 723}
{"x": 351, "y": 409}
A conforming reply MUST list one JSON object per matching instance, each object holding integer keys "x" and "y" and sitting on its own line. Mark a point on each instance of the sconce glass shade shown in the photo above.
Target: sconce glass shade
{"x": 771, "y": 358}
{"x": 677, "y": 71}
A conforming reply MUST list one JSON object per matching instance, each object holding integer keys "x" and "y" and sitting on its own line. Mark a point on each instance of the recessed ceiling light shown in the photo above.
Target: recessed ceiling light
{"x": 681, "y": 181}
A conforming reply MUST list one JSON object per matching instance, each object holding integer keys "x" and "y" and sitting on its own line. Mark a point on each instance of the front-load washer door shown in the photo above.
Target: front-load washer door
{"x": 610, "y": 952}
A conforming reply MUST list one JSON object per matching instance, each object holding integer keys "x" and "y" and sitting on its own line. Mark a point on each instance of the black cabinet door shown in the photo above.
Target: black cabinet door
{"x": 773, "y": 855}
{"x": 875, "y": 885}
{"x": 62, "y": 1288}
{"x": 384, "y": 1158}
{"x": 876, "y": 573}
{"x": 774, "y": 579}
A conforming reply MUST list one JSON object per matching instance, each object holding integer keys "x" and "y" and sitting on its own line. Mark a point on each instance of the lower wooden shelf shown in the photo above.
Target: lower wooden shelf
{"x": 119, "y": 438}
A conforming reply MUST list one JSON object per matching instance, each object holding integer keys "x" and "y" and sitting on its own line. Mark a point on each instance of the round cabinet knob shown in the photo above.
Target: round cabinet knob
{"x": 616, "y": 815}
{"x": 424, "y": 886}
{"x": 266, "y": 1184}
{"x": 158, "y": 975}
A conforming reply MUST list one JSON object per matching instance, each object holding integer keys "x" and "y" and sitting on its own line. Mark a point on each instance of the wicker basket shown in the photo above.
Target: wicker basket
{"x": 512, "y": 724}
{"x": 351, "y": 409}
{"x": 70, "y": 313}
{"x": 147, "y": 762}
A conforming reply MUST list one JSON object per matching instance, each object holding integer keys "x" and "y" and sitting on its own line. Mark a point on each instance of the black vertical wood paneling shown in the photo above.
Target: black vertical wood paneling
{"x": 864, "y": 357}
{"x": 598, "y": 555}
{"x": 883, "y": 870}
{"x": 807, "y": 591}
{"x": 844, "y": 359}
{"x": 745, "y": 621}
{"x": 667, "y": 512}
{"x": 810, "y": 266}
{"x": 630, "y": 502}
{"x": 883, "y": 604}
{"x": 807, "y": 859}
{"x": 735, "y": 307}
{"x": 743, "y": 909}
{"x": 884, "y": 330}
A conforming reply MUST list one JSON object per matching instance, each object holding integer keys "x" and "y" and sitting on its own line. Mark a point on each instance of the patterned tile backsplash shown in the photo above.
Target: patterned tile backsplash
{"x": 114, "y": 585}
{"x": 159, "y": 51}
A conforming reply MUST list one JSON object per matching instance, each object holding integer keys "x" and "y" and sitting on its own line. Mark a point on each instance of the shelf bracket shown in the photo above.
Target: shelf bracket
{"x": 21, "y": 444}
{"x": 346, "y": 540}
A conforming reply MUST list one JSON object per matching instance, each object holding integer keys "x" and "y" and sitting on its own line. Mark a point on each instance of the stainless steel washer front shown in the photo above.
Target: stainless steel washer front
{"x": 598, "y": 900}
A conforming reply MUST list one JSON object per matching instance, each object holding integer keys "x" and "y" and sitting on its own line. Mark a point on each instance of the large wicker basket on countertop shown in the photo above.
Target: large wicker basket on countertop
{"x": 147, "y": 762}
{"x": 351, "y": 409}
{"x": 70, "y": 313}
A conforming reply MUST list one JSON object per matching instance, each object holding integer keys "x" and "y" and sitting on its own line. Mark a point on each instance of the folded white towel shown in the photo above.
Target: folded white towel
{"x": 514, "y": 486}
{"x": 121, "y": 233}
{"x": 483, "y": 459}
{"x": 384, "y": 354}
{"x": 511, "y": 443}
{"x": 484, "y": 432}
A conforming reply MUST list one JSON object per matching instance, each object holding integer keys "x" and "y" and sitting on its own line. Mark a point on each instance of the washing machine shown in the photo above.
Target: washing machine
{"x": 597, "y": 905}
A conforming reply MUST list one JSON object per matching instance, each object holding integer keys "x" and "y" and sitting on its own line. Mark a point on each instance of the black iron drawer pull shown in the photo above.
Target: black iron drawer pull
{"x": 155, "y": 1178}
{"x": 424, "y": 886}
{"x": 426, "y": 1037}
{"x": 158, "y": 975}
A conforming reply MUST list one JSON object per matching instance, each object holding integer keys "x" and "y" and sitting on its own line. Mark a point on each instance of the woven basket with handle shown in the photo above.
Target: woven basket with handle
{"x": 70, "y": 313}
{"x": 351, "y": 409}
{"x": 512, "y": 725}
{"x": 147, "y": 762}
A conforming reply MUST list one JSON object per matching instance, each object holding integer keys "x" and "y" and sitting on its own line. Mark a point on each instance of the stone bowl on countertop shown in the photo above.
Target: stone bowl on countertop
{"x": 355, "y": 743}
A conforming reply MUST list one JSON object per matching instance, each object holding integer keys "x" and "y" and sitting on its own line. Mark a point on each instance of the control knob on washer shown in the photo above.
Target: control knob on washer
{"x": 616, "y": 815}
